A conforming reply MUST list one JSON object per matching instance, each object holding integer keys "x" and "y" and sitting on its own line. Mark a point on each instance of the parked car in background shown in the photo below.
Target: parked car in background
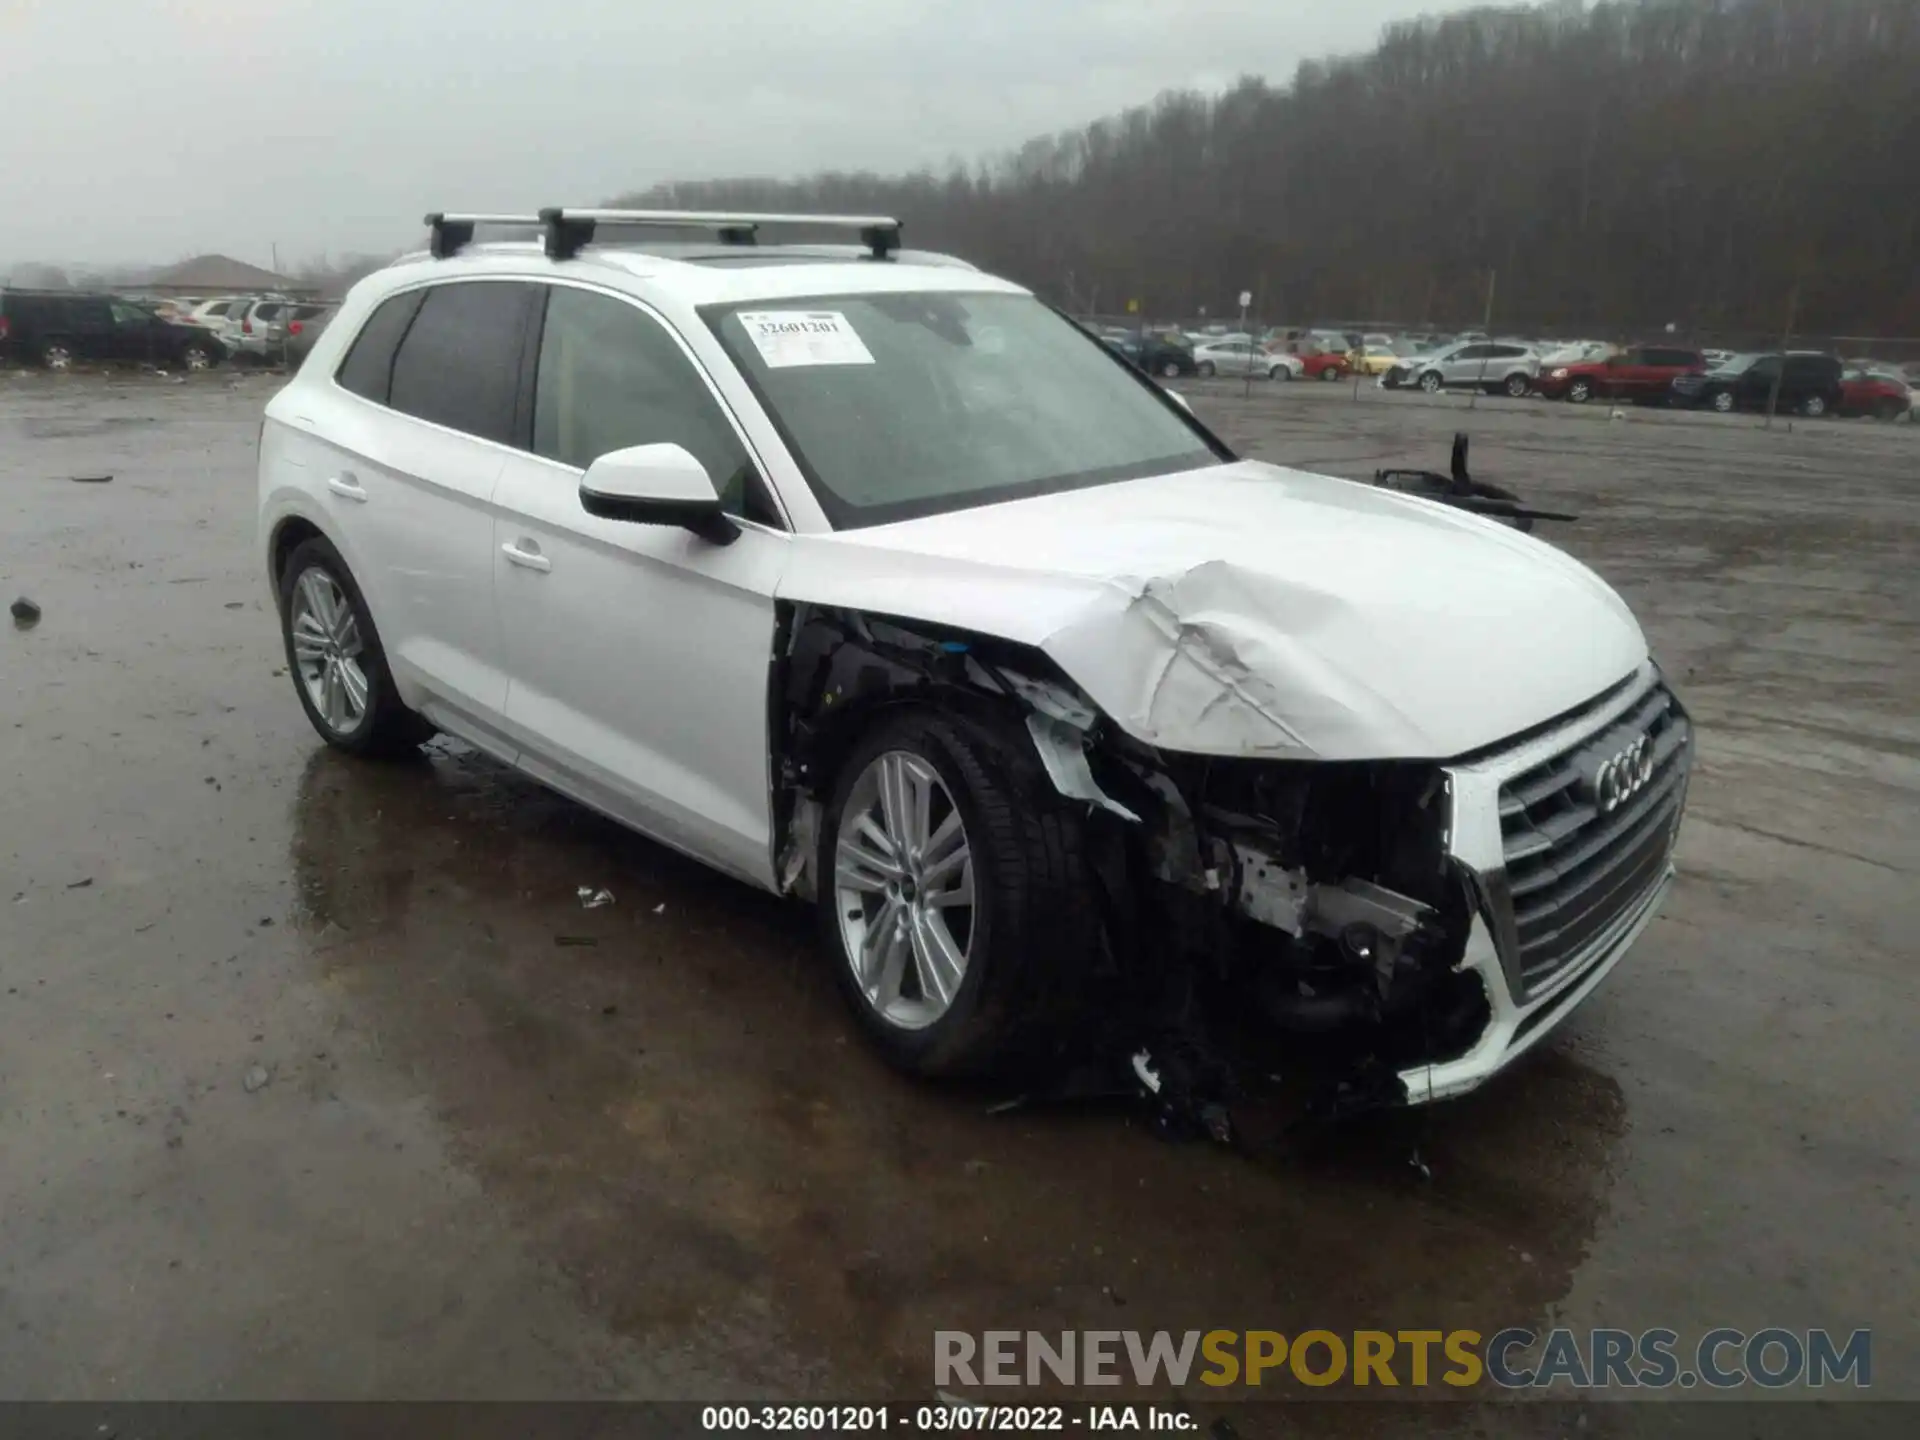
{"x": 1236, "y": 356}
{"x": 57, "y": 329}
{"x": 1880, "y": 392}
{"x": 1574, "y": 352}
{"x": 1374, "y": 359}
{"x": 1155, "y": 354}
{"x": 1281, "y": 366}
{"x": 1493, "y": 366}
{"x": 216, "y": 312}
{"x": 1325, "y": 365}
{"x": 1809, "y": 384}
{"x": 1642, "y": 373}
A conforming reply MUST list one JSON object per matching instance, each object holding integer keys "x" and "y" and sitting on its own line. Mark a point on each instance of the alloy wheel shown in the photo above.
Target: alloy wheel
{"x": 57, "y": 357}
{"x": 327, "y": 650}
{"x": 903, "y": 888}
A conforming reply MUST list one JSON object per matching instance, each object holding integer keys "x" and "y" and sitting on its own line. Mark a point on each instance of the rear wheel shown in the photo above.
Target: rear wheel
{"x": 196, "y": 357}
{"x": 1889, "y": 410}
{"x": 1814, "y": 406}
{"x": 1279, "y": 372}
{"x": 1204, "y": 369}
{"x": 952, "y": 895}
{"x": 1170, "y": 369}
{"x": 56, "y": 357}
{"x": 334, "y": 655}
{"x": 1331, "y": 373}
{"x": 1517, "y": 386}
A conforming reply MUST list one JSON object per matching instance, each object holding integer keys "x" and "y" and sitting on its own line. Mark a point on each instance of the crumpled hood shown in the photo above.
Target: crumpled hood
{"x": 1251, "y": 610}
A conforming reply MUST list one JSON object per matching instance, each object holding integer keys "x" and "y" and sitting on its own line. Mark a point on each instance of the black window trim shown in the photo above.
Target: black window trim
{"x": 529, "y": 383}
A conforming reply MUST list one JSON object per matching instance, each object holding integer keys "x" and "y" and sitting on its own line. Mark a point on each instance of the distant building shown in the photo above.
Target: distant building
{"x": 221, "y": 275}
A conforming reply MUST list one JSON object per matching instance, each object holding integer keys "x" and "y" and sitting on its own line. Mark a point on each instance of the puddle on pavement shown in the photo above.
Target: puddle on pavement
{"x": 674, "y": 1109}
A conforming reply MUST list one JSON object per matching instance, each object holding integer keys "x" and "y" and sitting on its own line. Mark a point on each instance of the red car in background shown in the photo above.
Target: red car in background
{"x": 1879, "y": 393}
{"x": 1318, "y": 364}
{"x": 1642, "y": 373}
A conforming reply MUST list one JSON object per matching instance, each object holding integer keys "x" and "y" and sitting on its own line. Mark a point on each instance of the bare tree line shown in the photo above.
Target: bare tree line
{"x": 1639, "y": 162}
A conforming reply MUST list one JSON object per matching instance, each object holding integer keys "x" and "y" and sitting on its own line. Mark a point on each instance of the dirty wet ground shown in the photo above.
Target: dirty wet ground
{"x": 317, "y": 1080}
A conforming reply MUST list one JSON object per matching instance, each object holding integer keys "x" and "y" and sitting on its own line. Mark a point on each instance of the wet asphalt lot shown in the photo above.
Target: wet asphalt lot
{"x": 316, "y": 1080}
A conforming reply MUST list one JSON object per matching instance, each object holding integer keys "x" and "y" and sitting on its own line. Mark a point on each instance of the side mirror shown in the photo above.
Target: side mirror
{"x": 656, "y": 485}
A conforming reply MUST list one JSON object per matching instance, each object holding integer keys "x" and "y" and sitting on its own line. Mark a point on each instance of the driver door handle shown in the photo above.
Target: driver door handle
{"x": 348, "y": 486}
{"x": 529, "y": 559}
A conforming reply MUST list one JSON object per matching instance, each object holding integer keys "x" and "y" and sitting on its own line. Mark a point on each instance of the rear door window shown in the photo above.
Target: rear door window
{"x": 459, "y": 365}
{"x": 368, "y": 368}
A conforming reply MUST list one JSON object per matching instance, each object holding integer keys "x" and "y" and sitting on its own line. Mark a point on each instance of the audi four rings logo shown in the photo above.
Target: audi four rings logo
{"x": 1624, "y": 776}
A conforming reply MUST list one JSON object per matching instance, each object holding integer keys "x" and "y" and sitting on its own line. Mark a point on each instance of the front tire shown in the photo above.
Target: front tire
{"x": 1169, "y": 370}
{"x": 953, "y": 897}
{"x": 1889, "y": 410}
{"x": 1580, "y": 390}
{"x": 1280, "y": 372}
{"x": 1331, "y": 374}
{"x": 197, "y": 358}
{"x": 334, "y": 655}
{"x": 1814, "y": 406}
{"x": 1431, "y": 382}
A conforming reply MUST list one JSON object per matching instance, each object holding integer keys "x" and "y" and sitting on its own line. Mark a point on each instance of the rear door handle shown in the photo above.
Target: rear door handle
{"x": 347, "y": 486}
{"x": 529, "y": 559}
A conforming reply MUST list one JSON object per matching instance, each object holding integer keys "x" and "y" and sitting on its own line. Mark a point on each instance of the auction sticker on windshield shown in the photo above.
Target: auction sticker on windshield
{"x": 804, "y": 337}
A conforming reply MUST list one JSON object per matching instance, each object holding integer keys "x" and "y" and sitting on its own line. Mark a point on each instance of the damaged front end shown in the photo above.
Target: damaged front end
{"x": 1259, "y": 916}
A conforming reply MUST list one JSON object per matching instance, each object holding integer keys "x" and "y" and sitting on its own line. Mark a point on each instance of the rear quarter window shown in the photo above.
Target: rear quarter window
{"x": 368, "y": 368}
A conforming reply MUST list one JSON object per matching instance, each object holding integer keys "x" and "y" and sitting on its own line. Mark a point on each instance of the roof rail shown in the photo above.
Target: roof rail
{"x": 566, "y": 230}
{"x": 450, "y": 232}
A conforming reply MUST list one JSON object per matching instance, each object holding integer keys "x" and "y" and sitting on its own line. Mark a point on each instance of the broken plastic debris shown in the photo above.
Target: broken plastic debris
{"x": 661, "y": 908}
{"x": 91, "y": 479}
{"x": 257, "y": 1079}
{"x": 592, "y": 899}
{"x": 26, "y": 614}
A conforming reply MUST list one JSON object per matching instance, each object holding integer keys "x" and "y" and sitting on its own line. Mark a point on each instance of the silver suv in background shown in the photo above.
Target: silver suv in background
{"x": 267, "y": 325}
{"x": 1496, "y": 366}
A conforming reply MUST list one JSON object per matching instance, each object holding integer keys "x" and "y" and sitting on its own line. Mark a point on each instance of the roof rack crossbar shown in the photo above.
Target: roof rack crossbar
{"x": 569, "y": 229}
{"x": 450, "y": 233}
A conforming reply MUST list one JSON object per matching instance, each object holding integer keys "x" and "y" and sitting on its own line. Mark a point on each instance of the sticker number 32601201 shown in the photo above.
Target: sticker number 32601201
{"x": 804, "y": 337}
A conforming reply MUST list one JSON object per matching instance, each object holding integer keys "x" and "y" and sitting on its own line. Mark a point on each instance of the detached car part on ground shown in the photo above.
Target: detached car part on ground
{"x": 1168, "y": 757}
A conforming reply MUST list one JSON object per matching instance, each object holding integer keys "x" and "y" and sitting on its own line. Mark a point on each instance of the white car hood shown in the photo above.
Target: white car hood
{"x": 1250, "y": 610}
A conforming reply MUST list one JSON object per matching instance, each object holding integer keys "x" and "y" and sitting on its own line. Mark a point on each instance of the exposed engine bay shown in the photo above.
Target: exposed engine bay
{"x": 1257, "y": 916}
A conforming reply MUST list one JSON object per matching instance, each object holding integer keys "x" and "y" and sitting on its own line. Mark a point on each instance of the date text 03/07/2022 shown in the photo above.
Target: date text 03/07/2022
{"x": 952, "y": 1417}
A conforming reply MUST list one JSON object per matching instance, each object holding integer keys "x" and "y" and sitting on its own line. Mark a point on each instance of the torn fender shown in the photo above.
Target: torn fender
{"x": 1253, "y": 611}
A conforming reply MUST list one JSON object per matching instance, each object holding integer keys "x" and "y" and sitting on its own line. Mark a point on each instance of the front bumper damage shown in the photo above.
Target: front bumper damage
{"x": 1558, "y": 880}
{"x": 1380, "y": 933}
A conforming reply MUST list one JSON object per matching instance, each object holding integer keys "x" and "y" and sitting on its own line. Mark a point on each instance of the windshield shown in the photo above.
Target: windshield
{"x": 1738, "y": 363}
{"x": 898, "y": 405}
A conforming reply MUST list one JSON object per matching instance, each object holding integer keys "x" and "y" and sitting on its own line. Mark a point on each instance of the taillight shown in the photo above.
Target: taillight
{"x": 246, "y": 327}
{"x": 293, "y": 327}
{"x": 3, "y": 327}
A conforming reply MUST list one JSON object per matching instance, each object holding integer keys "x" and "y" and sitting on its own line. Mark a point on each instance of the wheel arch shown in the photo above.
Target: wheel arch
{"x": 836, "y": 672}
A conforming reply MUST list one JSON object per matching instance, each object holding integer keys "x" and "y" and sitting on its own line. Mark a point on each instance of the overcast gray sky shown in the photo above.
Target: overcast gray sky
{"x": 148, "y": 130}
